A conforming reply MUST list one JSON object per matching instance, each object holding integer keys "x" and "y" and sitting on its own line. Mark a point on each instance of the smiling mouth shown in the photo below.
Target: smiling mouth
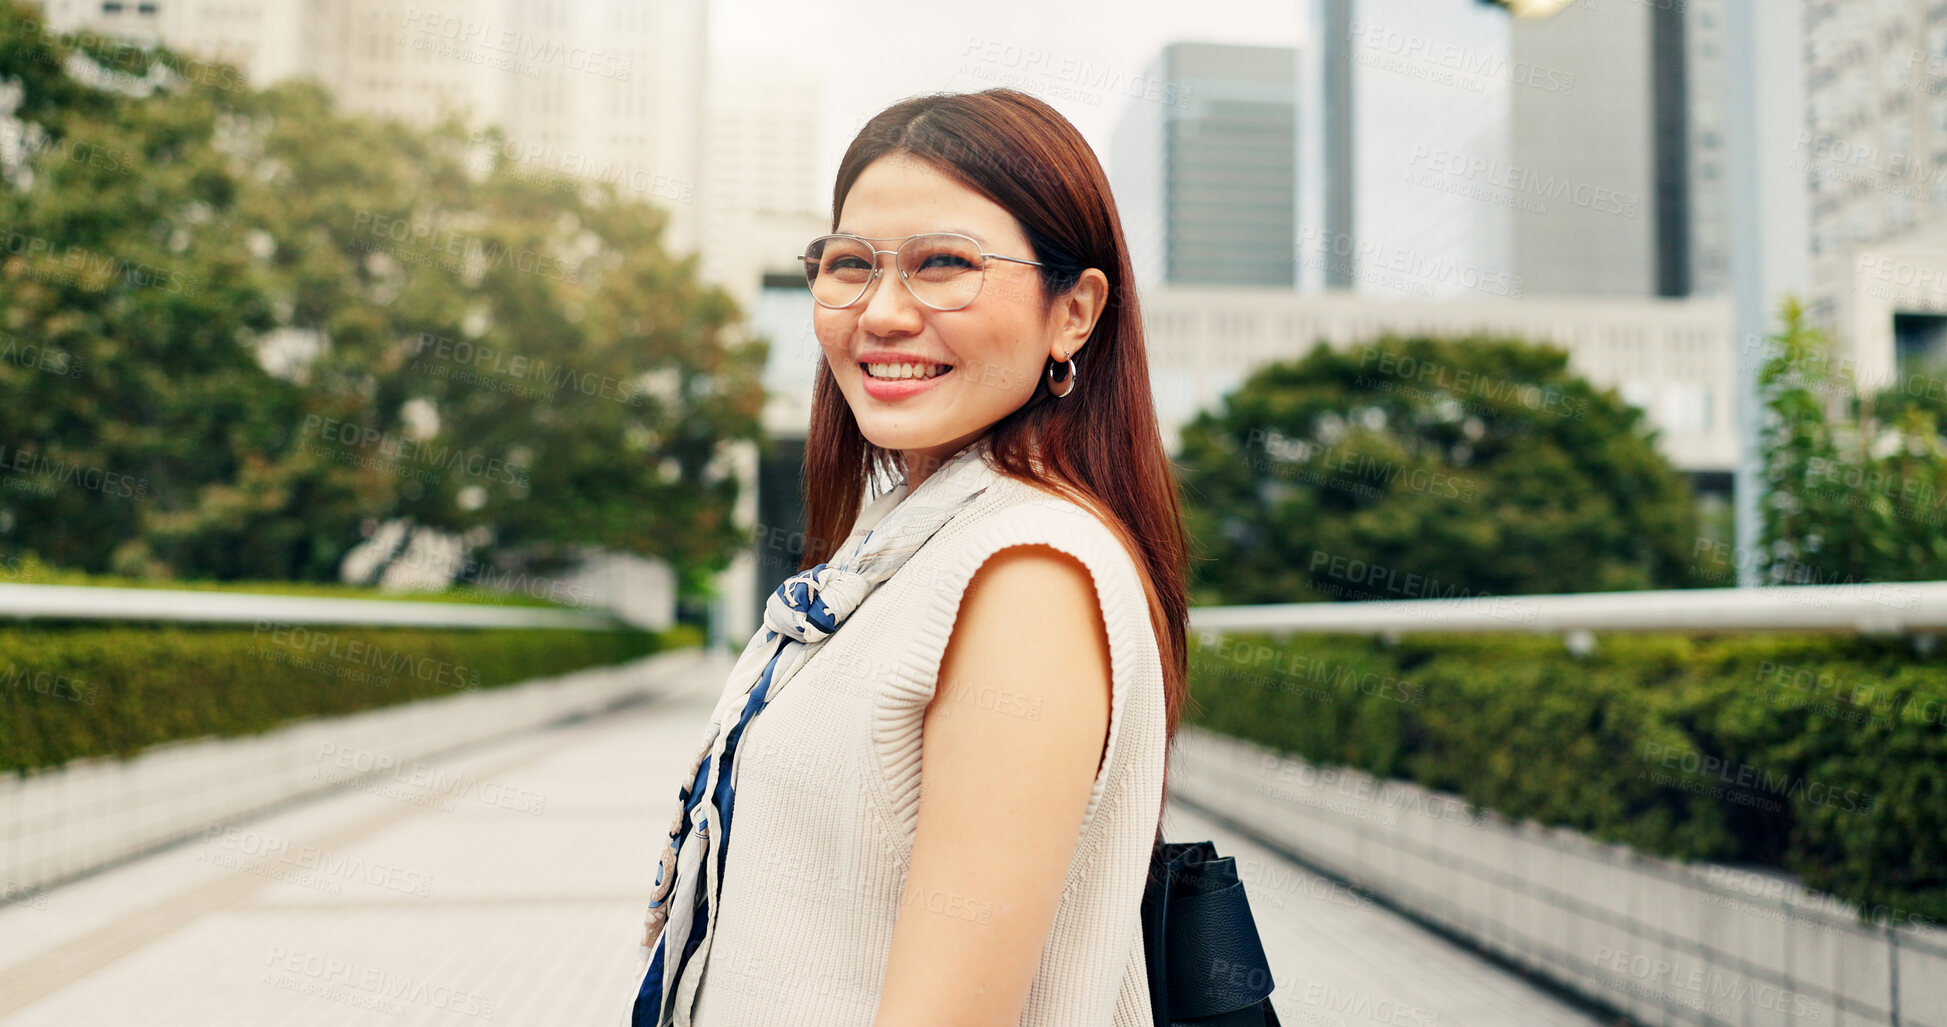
{"x": 904, "y": 372}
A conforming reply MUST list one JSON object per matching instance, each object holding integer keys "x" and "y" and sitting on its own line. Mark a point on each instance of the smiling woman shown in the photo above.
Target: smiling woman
{"x": 946, "y": 811}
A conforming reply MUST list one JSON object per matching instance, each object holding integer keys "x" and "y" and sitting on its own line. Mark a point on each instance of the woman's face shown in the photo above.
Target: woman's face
{"x": 994, "y": 350}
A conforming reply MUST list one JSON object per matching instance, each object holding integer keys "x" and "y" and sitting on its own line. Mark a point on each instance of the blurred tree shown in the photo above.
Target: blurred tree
{"x": 1851, "y": 497}
{"x": 1429, "y": 468}
{"x": 284, "y": 323}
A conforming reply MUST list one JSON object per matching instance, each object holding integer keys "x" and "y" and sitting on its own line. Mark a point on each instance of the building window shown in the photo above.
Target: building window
{"x": 145, "y": 9}
{"x": 111, "y": 7}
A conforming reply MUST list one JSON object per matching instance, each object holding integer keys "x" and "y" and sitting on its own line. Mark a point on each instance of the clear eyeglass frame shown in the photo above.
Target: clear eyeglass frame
{"x": 905, "y": 276}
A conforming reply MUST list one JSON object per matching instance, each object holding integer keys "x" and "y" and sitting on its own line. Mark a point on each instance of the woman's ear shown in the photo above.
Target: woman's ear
{"x": 1076, "y": 313}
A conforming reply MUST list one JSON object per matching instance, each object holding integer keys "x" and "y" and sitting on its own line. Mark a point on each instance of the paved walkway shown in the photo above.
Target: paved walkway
{"x": 510, "y": 891}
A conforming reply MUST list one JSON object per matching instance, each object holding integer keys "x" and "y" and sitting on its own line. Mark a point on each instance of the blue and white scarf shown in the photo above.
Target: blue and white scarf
{"x": 804, "y": 611}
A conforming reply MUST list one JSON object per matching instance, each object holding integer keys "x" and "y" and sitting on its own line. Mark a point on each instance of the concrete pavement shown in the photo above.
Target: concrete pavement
{"x": 504, "y": 884}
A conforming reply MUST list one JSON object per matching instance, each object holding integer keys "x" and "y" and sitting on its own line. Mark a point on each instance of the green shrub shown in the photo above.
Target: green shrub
{"x": 1822, "y": 755}
{"x": 74, "y": 690}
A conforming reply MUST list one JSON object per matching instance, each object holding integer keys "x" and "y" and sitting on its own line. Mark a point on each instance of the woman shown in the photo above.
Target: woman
{"x": 1015, "y": 600}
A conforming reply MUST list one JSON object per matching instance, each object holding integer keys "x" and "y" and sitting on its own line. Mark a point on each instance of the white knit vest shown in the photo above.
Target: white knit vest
{"x": 827, "y": 797}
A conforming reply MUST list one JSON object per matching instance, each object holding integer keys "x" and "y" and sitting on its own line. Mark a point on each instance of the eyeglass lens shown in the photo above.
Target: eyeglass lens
{"x": 943, "y": 271}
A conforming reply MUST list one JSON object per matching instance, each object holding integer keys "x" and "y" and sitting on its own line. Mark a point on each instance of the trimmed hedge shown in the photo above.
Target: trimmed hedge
{"x": 72, "y": 690}
{"x": 1823, "y": 755}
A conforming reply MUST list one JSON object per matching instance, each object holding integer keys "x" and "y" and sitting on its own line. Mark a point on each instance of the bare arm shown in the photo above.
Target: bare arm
{"x": 1011, "y": 744}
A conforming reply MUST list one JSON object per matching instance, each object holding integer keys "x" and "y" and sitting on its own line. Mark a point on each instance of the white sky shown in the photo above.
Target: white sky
{"x": 875, "y": 54}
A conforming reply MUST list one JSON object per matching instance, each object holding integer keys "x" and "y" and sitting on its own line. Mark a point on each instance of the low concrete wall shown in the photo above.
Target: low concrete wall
{"x": 63, "y": 822}
{"x": 1664, "y": 942}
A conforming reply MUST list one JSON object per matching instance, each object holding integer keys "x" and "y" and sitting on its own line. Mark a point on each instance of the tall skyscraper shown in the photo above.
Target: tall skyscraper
{"x": 1618, "y": 169}
{"x": 1404, "y": 135}
{"x": 1205, "y": 171}
{"x": 1875, "y": 145}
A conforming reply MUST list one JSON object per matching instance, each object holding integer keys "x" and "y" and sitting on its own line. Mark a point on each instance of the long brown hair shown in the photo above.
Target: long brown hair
{"x": 1100, "y": 446}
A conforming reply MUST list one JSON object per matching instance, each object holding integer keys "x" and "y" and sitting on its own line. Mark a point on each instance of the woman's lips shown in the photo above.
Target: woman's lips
{"x": 888, "y": 389}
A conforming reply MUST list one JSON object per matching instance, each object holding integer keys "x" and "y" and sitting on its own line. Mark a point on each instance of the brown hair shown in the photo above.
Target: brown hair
{"x": 1099, "y": 446}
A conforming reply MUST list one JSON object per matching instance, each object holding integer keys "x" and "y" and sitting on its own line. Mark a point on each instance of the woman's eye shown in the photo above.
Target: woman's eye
{"x": 845, "y": 264}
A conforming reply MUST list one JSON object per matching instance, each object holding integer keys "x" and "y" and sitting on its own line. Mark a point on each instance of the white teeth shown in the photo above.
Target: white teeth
{"x": 905, "y": 370}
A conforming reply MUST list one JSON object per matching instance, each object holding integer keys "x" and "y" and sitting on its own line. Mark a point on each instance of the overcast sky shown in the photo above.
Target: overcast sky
{"x": 875, "y": 54}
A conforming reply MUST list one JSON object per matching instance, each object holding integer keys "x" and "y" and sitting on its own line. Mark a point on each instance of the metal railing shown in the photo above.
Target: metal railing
{"x": 87, "y": 602}
{"x": 1876, "y": 607}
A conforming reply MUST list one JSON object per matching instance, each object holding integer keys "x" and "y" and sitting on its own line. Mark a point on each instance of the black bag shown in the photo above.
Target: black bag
{"x": 1206, "y": 964}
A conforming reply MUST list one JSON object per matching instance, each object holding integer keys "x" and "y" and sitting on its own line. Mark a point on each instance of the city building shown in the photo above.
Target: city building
{"x": 608, "y": 90}
{"x": 1873, "y": 154}
{"x": 1616, "y": 170}
{"x": 1404, "y": 122}
{"x": 763, "y": 196}
{"x": 1205, "y": 169}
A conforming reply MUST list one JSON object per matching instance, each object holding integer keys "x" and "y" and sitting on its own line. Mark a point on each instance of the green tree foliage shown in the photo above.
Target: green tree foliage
{"x": 1429, "y": 468}
{"x": 239, "y": 324}
{"x": 1850, "y": 496}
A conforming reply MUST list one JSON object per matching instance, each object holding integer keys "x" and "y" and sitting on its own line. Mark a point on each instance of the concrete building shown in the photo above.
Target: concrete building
{"x": 1402, "y": 101}
{"x": 1874, "y": 157}
{"x": 1205, "y": 172}
{"x": 609, "y": 90}
{"x": 763, "y": 196}
{"x": 1616, "y": 175}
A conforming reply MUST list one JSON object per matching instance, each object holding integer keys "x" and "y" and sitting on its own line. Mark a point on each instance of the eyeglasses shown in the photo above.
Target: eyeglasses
{"x": 943, "y": 270}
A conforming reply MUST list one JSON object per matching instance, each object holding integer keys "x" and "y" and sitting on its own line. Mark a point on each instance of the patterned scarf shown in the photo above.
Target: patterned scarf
{"x": 804, "y": 611}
